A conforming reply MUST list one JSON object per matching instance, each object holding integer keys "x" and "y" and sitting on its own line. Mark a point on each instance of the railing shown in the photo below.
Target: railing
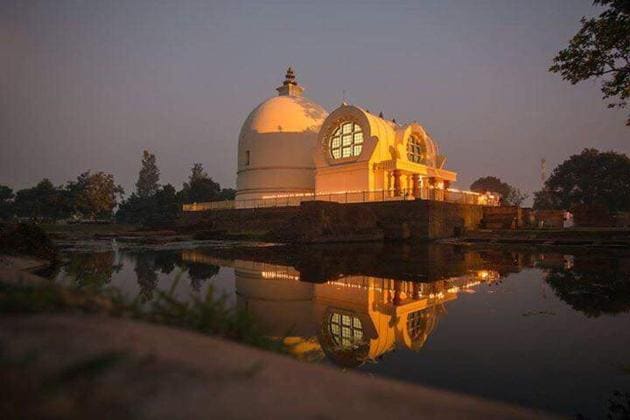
{"x": 211, "y": 205}
{"x": 450, "y": 195}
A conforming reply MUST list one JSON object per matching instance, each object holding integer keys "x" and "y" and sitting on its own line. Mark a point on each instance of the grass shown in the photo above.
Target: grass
{"x": 87, "y": 229}
{"x": 208, "y": 315}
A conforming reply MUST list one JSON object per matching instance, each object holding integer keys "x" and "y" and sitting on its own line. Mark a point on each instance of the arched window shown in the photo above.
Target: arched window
{"x": 346, "y": 141}
{"x": 415, "y": 150}
{"x": 346, "y": 330}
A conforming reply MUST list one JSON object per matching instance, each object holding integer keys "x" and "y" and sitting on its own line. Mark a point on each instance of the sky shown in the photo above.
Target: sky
{"x": 88, "y": 85}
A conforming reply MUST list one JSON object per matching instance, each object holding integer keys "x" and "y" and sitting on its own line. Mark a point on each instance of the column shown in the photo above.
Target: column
{"x": 415, "y": 180}
{"x": 396, "y": 182}
{"x": 424, "y": 191}
{"x": 431, "y": 188}
{"x": 447, "y": 185}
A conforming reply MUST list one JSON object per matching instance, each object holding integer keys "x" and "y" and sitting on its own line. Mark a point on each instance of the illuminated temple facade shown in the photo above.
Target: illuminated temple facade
{"x": 290, "y": 147}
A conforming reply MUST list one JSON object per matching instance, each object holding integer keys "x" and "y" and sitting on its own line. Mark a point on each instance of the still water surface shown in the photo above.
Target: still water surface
{"x": 541, "y": 329}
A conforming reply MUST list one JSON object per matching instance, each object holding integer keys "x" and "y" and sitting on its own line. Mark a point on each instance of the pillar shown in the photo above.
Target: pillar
{"x": 415, "y": 179}
{"x": 396, "y": 182}
{"x": 390, "y": 181}
{"x": 424, "y": 191}
{"x": 431, "y": 188}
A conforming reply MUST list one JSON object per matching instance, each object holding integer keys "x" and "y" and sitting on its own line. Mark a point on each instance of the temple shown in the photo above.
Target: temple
{"x": 358, "y": 151}
{"x": 290, "y": 150}
{"x": 291, "y": 145}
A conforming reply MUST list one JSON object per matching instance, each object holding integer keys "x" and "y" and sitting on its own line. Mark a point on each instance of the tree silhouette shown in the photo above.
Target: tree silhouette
{"x": 587, "y": 179}
{"x": 149, "y": 176}
{"x": 601, "y": 49}
{"x": 200, "y": 187}
{"x": 509, "y": 194}
{"x": 6, "y": 203}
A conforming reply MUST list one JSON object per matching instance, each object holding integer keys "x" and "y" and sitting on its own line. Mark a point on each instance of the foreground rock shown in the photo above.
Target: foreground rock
{"x": 87, "y": 366}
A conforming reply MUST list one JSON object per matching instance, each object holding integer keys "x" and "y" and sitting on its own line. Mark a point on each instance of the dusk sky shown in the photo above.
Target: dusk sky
{"x": 88, "y": 85}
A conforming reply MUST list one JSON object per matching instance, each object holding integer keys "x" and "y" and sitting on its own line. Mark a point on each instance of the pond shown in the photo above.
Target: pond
{"x": 539, "y": 328}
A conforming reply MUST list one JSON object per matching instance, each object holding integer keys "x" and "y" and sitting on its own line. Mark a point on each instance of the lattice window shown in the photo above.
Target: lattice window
{"x": 415, "y": 150}
{"x": 346, "y": 141}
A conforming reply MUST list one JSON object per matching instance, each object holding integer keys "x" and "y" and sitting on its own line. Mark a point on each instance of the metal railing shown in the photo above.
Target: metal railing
{"x": 448, "y": 195}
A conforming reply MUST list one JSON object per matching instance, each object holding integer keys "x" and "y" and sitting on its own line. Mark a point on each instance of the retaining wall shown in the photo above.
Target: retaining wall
{"x": 318, "y": 221}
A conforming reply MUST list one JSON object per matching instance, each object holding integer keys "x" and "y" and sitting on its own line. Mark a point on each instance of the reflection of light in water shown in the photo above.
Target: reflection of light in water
{"x": 456, "y": 289}
{"x": 279, "y": 275}
{"x": 386, "y": 285}
{"x": 420, "y": 324}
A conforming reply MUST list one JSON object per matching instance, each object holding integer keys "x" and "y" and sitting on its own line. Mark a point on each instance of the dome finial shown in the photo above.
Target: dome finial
{"x": 289, "y": 78}
{"x": 290, "y": 86}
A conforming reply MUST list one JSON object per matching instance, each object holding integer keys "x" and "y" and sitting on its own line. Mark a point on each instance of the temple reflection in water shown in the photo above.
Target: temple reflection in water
{"x": 351, "y": 319}
{"x": 535, "y": 319}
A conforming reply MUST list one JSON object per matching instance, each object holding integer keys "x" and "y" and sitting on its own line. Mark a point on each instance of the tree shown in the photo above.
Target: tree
{"x": 592, "y": 177}
{"x": 6, "y": 193}
{"x": 200, "y": 187}
{"x": 149, "y": 176}
{"x": 601, "y": 49}
{"x": 43, "y": 201}
{"x": 509, "y": 195}
{"x": 159, "y": 210}
{"x": 132, "y": 210}
{"x": 227, "y": 194}
{"x": 197, "y": 173}
{"x": 164, "y": 208}
{"x": 94, "y": 195}
{"x": 6, "y": 203}
{"x": 515, "y": 197}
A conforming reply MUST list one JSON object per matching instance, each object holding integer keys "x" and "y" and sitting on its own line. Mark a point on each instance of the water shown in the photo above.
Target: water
{"x": 541, "y": 329}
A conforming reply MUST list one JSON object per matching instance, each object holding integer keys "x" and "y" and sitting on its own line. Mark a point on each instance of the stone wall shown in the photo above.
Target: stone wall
{"x": 238, "y": 221}
{"x": 549, "y": 218}
{"x": 504, "y": 217}
{"x": 318, "y": 221}
{"x": 393, "y": 220}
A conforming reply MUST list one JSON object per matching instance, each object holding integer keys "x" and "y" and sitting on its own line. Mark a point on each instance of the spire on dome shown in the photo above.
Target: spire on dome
{"x": 290, "y": 86}
{"x": 289, "y": 78}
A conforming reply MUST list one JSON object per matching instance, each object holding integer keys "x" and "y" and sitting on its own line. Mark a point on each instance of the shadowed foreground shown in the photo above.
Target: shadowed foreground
{"x": 92, "y": 366}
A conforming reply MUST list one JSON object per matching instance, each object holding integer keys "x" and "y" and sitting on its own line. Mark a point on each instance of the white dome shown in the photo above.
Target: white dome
{"x": 292, "y": 114}
{"x": 276, "y": 145}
